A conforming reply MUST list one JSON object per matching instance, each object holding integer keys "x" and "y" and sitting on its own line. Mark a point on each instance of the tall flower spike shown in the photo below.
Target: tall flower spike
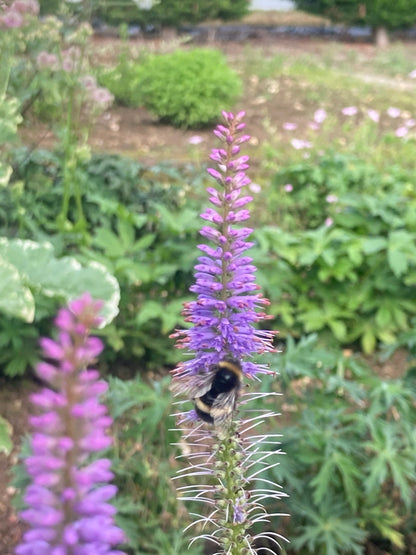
{"x": 221, "y": 343}
{"x": 68, "y": 510}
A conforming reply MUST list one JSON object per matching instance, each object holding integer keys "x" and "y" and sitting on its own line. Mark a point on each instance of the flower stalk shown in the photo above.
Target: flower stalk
{"x": 221, "y": 342}
{"x": 68, "y": 511}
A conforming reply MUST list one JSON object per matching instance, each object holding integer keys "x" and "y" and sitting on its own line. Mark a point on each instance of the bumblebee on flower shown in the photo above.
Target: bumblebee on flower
{"x": 221, "y": 342}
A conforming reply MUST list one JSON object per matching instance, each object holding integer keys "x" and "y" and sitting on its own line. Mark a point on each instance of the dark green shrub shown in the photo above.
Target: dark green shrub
{"x": 188, "y": 88}
{"x": 377, "y": 13}
{"x": 169, "y": 12}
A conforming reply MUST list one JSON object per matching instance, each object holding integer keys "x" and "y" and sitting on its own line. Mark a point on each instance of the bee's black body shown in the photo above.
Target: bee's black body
{"x": 218, "y": 403}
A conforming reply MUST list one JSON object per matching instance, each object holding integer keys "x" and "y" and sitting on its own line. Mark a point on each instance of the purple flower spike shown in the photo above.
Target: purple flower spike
{"x": 68, "y": 510}
{"x": 228, "y": 278}
{"x": 222, "y": 341}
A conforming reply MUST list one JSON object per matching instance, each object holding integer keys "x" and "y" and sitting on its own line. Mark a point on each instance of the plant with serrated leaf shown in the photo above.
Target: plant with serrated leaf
{"x": 351, "y": 445}
{"x": 144, "y": 463}
{"x": 349, "y": 269}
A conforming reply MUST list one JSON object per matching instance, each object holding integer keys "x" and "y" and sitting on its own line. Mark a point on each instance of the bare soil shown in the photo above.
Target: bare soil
{"x": 135, "y": 132}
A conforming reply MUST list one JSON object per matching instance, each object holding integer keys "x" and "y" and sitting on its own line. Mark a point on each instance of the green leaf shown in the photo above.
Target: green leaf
{"x": 371, "y": 245}
{"x": 16, "y": 298}
{"x": 5, "y": 436}
{"x": 397, "y": 261}
{"x": 338, "y": 328}
{"x": 368, "y": 341}
{"x": 64, "y": 278}
{"x": 5, "y": 173}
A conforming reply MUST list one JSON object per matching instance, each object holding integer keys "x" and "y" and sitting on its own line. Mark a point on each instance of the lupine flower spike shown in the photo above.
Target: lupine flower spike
{"x": 226, "y": 449}
{"x": 68, "y": 511}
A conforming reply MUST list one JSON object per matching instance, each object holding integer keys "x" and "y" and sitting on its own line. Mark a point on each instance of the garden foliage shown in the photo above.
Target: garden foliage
{"x": 350, "y": 442}
{"x": 342, "y": 257}
{"x": 184, "y": 88}
{"x": 335, "y": 251}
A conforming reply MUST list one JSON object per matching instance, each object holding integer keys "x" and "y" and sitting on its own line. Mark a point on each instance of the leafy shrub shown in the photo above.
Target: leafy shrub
{"x": 139, "y": 228}
{"x": 315, "y": 186}
{"x": 185, "y": 88}
{"x": 123, "y": 80}
{"x": 169, "y": 12}
{"x": 349, "y": 464}
{"x": 352, "y": 276}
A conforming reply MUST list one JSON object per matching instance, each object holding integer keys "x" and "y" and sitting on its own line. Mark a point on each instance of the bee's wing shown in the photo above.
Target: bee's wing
{"x": 223, "y": 407}
{"x": 194, "y": 385}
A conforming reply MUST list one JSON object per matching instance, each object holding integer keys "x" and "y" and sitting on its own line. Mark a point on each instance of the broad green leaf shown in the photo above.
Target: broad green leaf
{"x": 65, "y": 278}
{"x": 149, "y": 310}
{"x": 371, "y": 245}
{"x": 107, "y": 240}
{"x": 16, "y": 298}
{"x": 338, "y": 328}
{"x": 383, "y": 316}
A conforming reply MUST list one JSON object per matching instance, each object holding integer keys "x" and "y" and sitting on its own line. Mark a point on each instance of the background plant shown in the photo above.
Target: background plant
{"x": 144, "y": 463}
{"x": 346, "y": 261}
{"x": 350, "y": 443}
{"x": 184, "y": 88}
{"x": 140, "y": 223}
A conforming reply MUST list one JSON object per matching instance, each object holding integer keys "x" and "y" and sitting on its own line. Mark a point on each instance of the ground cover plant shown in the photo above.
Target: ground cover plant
{"x": 333, "y": 165}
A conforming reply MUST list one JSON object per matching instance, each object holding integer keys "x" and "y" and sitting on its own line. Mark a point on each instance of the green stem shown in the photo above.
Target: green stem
{"x": 232, "y": 494}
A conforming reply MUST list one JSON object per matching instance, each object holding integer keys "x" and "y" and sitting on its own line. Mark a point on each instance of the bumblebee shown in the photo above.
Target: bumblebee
{"x": 215, "y": 399}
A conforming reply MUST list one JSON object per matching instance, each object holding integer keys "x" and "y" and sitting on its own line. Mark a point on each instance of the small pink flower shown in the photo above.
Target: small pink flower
{"x": 410, "y": 122}
{"x": 45, "y": 60}
{"x": 374, "y": 115}
{"x": 254, "y": 187}
{"x": 289, "y": 126}
{"x": 412, "y": 74}
{"x": 26, "y": 6}
{"x": 102, "y": 97}
{"x": 401, "y": 131}
{"x": 331, "y": 198}
{"x": 393, "y": 112}
{"x": 313, "y": 125}
{"x": 329, "y": 222}
{"x": 299, "y": 144}
{"x": 350, "y": 110}
{"x": 320, "y": 115}
{"x": 195, "y": 140}
{"x": 12, "y": 19}
{"x": 288, "y": 187}
{"x": 88, "y": 81}
{"x": 68, "y": 65}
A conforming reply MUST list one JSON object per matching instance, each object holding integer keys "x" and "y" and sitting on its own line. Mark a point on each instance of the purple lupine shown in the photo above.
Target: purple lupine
{"x": 68, "y": 511}
{"x": 223, "y": 319}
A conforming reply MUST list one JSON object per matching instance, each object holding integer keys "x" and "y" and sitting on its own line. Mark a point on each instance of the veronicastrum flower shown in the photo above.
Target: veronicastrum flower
{"x": 68, "y": 510}
{"x": 222, "y": 319}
